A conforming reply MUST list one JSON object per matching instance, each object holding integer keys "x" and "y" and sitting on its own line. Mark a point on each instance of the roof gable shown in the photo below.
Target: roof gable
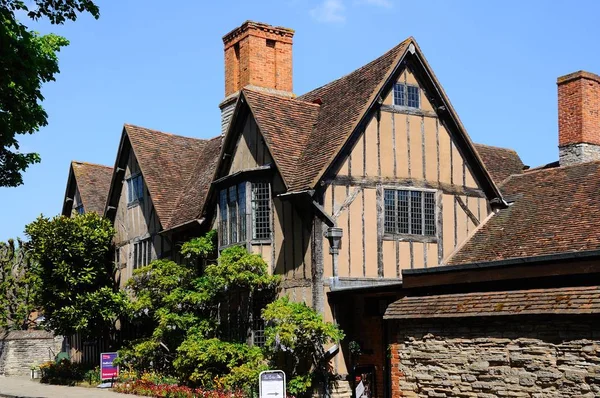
{"x": 170, "y": 165}
{"x": 286, "y": 125}
{"x": 93, "y": 182}
{"x": 344, "y": 102}
{"x": 336, "y": 112}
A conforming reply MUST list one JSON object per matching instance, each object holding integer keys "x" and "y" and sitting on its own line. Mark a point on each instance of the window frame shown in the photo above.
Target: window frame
{"x": 245, "y": 218}
{"x": 406, "y": 96}
{"x": 130, "y": 182}
{"x": 145, "y": 255}
{"x": 408, "y": 237}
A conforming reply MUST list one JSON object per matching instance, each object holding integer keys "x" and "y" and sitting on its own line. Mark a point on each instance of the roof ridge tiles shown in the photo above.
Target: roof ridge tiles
{"x": 368, "y": 64}
{"x": 495, "y": 147}
{"x": 257, "y": 90}
{"x": 554, "y": 169}
{"x": 166, "y": 133}
{"x": 90, "y": 164}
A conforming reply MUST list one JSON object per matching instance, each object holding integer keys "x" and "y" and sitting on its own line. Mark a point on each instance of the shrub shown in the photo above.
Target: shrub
{"x": 63, "y": 372}
{"x": 297, "y": 333}
{"x": 92, "y": 376}
{"x": 212, "y": 363}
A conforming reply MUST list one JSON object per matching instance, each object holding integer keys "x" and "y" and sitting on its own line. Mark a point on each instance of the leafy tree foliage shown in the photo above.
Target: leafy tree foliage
{"x": 217, "y": 363}
{"x": 28, "y": 60}
{"x": 78, "y": 288}
{"x": 191, "y": 315}
{"x": 183, "y": 309}
{"x": 298, "y": 333}
{"x": 19, "y": 286}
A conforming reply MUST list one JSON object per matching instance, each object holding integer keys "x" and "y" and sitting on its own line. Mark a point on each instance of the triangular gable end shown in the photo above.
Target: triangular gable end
{"x": 124, "y": 154}
{"x": 87, "y": 185}
{"x": 279, "y": 127}
{"x": 418, "y": 65}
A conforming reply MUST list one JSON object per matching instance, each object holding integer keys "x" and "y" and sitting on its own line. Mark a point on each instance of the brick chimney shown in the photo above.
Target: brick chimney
{"x": 578, "y": 118}
{"x": 256, "y": 54}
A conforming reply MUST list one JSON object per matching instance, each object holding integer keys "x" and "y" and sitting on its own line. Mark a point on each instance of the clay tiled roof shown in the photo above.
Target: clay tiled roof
{"x": 93, "y": 182}
{"x": 286, "y": 125}
{"x": 170, "y": 165}
{"x": 554, "y": 211}
{"x": 343, "y": 103}
{"x": 500, "y": 162}
{"x": 571, "y": 300}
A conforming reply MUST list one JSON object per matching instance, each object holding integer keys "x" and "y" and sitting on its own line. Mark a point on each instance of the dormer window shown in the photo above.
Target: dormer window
{"x": 135, "y": 189}
{"x": 242, "y": 204}
{"x": 406, "y": 95}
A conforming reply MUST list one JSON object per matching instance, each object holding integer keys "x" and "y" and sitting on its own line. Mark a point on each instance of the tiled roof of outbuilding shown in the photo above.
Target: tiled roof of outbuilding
{"x": 554, "y": 211}
{"x": 570, "y": 300}
{"x": 500, "y": 162}
{"x": 93, "y": 182}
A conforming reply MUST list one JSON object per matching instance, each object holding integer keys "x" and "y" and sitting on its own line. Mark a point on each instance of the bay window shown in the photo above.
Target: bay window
{"x": 242, "y": 204}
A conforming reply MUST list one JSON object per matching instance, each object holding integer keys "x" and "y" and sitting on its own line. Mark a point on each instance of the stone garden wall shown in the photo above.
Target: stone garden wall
{"x": 20, "y": 349}
{"x": 486, "y": 358}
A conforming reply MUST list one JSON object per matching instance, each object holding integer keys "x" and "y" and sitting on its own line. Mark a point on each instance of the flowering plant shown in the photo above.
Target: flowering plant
{"x": 149, "y": 389}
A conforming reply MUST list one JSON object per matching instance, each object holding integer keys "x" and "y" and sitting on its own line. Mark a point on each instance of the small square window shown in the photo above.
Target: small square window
{"x": 135, "y": 188}
{"x": 407, "y": 95}
{"x": 79, "y": 209}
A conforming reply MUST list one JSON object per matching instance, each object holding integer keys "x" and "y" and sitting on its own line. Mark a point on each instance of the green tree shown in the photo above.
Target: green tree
{"x": 19, "y": 286}
{"x": 298, "y": 334}
{"x": 27, "y": 61}
{"x": 78, "y": 290}
{"x": 185, "y": 311}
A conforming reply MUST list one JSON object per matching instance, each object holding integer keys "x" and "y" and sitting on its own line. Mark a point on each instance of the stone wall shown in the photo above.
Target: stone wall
{"x": 20, "y": 349}
{"x": 578, "y": 153}
{"x": 486, "y": 358}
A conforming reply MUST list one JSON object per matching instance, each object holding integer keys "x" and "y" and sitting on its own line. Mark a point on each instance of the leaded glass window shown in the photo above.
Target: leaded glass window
{"x": 409, "y": 212}
{"x": 407, "y": 95}
{"x": 261, "y": 214}
{"x": 236, "y": 212}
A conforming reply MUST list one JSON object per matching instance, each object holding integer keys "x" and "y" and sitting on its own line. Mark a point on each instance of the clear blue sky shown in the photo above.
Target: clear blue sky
{"x": 159, "y": 64}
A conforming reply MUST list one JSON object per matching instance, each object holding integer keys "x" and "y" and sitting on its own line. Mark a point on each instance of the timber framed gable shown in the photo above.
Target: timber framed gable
{"x": 412, "y": 59}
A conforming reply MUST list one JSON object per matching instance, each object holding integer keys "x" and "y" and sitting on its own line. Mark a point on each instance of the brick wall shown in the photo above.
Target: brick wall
{"x": 511, "y": 357}
{"x": 22, "y": 348}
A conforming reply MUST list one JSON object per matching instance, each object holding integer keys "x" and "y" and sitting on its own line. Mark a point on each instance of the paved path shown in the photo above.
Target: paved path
{"x": 22, "y": 387}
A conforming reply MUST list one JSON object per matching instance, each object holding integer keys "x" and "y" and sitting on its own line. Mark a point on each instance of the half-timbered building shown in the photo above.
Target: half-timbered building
{"x": 371, "y": 201}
